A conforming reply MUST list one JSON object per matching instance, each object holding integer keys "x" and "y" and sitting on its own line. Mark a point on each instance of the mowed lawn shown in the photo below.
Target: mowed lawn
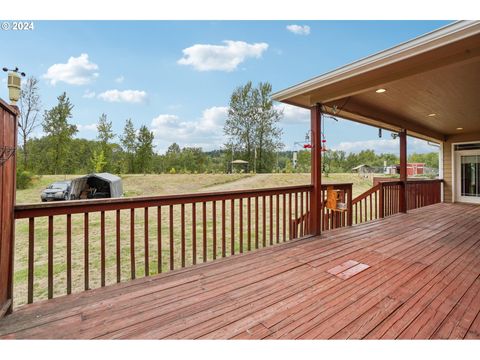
{"x": 149, "y": 185}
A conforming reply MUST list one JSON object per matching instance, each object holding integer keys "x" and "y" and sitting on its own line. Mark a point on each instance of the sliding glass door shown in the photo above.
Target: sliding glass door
{"x": 468, "y": 176}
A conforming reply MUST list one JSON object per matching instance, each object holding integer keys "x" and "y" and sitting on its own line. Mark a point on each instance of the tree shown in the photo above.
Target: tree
{"x": 267, "y": 132}
{"x": 30, "y": 106}
{"x": 98, "y": 161}
{"x": 240, "y": 124}
{"x": 304, "y": 161}
{"x": 144, "y": 149}
{"x": 128, "y": 141}
{"x": 59, "y": 132}
{"x": 105, "y": 134}
{"x": 252, "y": 126}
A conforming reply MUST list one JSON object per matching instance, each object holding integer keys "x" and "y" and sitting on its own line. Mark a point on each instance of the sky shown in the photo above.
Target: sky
{"x": 176, "y": 77}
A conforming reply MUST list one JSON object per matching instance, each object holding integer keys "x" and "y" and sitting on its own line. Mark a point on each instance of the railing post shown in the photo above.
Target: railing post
{"x": 381, "y": 204}
{"x": 349, "y": 205}
{"x": 403, "y": 171}
{"x": 316, "y": 168}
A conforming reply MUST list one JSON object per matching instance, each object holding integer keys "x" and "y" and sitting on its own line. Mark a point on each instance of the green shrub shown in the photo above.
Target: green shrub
{"x": 24, "y": 179}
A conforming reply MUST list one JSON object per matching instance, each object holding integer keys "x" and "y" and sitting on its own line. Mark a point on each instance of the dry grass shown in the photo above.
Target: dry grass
{"x": 145, "y": 185}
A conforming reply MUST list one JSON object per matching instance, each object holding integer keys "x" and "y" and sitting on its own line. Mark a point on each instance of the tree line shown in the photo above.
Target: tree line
{"x": 251, "y": 130}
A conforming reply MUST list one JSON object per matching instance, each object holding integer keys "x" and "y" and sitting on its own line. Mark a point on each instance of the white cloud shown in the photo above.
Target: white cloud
{"x": 227, "y": 57}
{"x": 130, "y": 96}
{"x": 293, "y": 114}
{"x": 77, "y": 71}
{"x": 384, "y": 146}
{"x": 88, "y": 94}
{"x": 87, "y": 127}
{"x": 299, "y": 29}
{"x": 120, "y": 79}
{"x": 206, "y": 132}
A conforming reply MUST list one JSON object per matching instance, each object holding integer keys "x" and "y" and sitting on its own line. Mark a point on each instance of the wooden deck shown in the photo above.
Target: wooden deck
{"x": 420, "y": 279}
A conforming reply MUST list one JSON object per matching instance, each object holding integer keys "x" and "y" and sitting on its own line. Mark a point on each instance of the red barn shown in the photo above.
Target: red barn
{"x": 413, "y": 169}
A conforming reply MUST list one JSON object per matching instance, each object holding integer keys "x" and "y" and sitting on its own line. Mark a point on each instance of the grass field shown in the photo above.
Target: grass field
{"x": 135, "y": 185}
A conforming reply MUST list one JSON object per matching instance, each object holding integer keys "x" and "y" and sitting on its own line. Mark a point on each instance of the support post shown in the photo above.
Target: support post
{"x": 316, "y": 169}
{"x": 403, "y": 170}
{"x": 8, "y": 145}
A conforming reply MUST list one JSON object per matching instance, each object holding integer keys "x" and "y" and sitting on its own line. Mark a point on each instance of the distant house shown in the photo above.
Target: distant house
{"x": 363, "y": 169}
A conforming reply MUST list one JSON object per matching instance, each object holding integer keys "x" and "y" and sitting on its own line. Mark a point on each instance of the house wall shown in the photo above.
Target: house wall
{"x": 447, "y": 161}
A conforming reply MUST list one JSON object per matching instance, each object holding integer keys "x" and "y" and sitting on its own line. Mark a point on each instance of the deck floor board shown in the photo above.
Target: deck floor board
{"x": 423, "y": 281}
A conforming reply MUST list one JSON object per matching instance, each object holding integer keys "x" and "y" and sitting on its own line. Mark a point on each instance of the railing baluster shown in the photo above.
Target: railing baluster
{"x": 204, "y": 225}
{"x": 50, "y": 257}
{"x": 240, "y": 215}
{"x": 85, "y": 251}
{"x": 69, "y": 254}
{"x": 132, "y": 243}
{"x": 172, "y": 254}
{"x": 159, "y": 239}
{"x": 256, "y": 222}
{"x": 295, "y": 231}
{"x": 117, "y": 245}
{"x": 194, "y": 234}
{"x": 102, "y": 248}
{"x": 224, "y": 246}
{"x": 249, "y": 223}
{"x": 284, "y": 217}
{"x": 232, "y": 226}
{"x": 366, "y": 210}
{"x": 277, "y": 219}
{"x": 264, "y": 222}
{"x": 147, "y": 253}
{"x": 290, "y": 216}
{"x": 31, "y": 260}
{"x": 214, "y": 229}
{"x": 301, "y": 214}
{"x": 182, "y": 232}
{"x": 271, "y": 219}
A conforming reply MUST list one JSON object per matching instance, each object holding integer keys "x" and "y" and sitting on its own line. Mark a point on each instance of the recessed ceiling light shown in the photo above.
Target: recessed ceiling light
{"x": 379, "y": 91}
{"x": 432, "y": 114}
{"x": 459, "y": 128}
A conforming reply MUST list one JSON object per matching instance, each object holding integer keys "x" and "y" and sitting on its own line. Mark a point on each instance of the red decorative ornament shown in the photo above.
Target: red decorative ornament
{"x": 307, "y": 146}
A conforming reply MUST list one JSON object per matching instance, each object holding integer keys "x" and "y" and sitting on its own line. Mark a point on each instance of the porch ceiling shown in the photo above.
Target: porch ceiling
{"x": 438, "y": 73}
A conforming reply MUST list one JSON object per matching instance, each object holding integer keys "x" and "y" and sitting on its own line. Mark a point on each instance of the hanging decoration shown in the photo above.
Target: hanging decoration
{"x": 6, "y": 152}
{"x": 324, "y": 140}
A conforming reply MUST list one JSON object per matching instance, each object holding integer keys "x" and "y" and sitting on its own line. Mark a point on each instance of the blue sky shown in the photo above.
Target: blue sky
{"x": 176, "y": 77}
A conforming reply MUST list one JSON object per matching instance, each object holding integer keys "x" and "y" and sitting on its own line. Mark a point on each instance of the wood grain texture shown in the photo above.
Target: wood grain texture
{"x": 423, "y": 282}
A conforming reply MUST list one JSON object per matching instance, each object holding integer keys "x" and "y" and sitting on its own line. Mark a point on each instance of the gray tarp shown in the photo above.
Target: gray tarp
{"x": 104, "y": 185}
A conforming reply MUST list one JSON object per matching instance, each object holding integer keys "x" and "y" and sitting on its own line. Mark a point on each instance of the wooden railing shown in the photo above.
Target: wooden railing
{"x": 332, "y": 219}
{"x": 365, "y": 206}
{"x": 383, "y": 199}
{"x": 423, "y": 192}
{"x": 71, "y": 246}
